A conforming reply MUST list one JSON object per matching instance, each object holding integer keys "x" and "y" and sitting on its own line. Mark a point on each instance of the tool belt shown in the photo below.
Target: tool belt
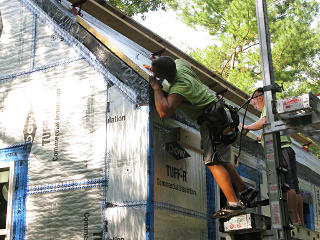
{"x": 222, "y": 121}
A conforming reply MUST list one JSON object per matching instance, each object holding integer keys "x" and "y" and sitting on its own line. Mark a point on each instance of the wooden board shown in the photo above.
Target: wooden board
{"x": 112, "y": 48}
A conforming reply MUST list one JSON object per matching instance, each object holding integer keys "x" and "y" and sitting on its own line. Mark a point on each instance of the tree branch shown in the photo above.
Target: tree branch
{"x": 226, "y": 65}
{"x": 250, "y": 46}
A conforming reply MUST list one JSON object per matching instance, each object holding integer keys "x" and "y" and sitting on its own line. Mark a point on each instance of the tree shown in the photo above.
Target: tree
{"x": 235, "y": 52}
{"x": 132, "y": 7}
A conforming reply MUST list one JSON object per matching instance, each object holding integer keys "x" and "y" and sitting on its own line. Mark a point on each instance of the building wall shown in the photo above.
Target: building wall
{"x": 90, "y": 167}
{"x": 179, "y": 183}
{"x": 95, "y": 157}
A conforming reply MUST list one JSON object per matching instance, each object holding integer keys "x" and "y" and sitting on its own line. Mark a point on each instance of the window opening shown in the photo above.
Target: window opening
{"x": 6, "y": 192}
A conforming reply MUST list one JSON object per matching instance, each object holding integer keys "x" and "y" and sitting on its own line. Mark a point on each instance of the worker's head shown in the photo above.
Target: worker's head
{"x": 164, "y": 68}
{"x": 258, "y": 99}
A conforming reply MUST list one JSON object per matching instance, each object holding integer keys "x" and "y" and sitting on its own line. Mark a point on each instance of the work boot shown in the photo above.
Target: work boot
{"x": 248, "y": 197}
{"x": 229, "y": 211}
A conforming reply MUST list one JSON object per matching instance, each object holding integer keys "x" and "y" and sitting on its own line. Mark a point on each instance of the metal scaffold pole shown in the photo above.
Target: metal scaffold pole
{"x": 275, "y": 172}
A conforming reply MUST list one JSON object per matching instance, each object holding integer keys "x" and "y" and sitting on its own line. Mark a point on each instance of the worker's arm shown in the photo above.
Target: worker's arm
{"x": 256, "y": 125}
{"x": 165, "y": 106}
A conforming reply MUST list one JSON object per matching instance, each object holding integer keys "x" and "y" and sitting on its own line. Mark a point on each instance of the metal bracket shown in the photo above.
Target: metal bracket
{"x": 277, "y": 126}
{"x": 273, "y": 88}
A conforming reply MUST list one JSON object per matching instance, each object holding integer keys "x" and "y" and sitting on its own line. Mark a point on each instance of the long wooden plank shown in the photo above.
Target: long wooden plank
{"x": 154, "y": 43}
{"x": 111, "y": 47}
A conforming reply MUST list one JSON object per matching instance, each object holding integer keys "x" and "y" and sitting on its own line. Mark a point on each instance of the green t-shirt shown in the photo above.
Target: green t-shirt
{"x": 188, "y": 85}
{"x": 285, "y": 140}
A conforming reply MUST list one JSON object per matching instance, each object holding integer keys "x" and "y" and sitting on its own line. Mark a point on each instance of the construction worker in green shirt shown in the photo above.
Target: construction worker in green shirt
{"x": 186, "y": 92}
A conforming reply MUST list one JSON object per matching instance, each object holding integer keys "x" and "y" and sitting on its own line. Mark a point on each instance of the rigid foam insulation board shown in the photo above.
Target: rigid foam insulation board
{"x": 51, "y": 97}
{"x": 66, "y": 127}
{"x": 180, "y": 197}
{"x": 48, "y": 43}
{"x": 127, "y": 143}
{"x": 178, "y": 226}
{"x": 71, "y": 214}
{"x": 125, "y": 223}
{"x": 178, "y": 182}
{"x": 16, "y": 37}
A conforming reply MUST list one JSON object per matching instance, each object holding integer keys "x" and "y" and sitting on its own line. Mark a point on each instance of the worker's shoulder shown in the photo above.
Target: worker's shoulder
{"x": 182, "y": 63}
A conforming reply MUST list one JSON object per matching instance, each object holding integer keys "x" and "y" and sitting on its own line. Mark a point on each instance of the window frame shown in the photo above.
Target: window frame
{"x": 11, "y": 167}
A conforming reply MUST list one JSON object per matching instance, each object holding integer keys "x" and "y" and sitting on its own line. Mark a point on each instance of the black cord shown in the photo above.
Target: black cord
{"x": 244, "y": 117}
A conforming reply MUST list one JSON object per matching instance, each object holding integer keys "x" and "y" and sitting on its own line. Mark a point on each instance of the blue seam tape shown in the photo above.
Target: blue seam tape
{"x": 9, "y": 148}
{"x": 211, "y": 223}
{"x": 66, "y": 184}
{"x": 150, "y": 179}
{"x": 20, "y": 200}
{"x": 66, "y": 189}
{"x": 43, "y": 68}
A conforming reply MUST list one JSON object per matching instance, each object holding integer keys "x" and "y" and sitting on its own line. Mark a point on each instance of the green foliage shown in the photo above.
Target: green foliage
{"x": 133, "y": 7}
{"x": 235, "y": 54}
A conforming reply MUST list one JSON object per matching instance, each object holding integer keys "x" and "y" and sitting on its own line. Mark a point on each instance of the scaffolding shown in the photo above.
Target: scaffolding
{"x": 295, "y": 114}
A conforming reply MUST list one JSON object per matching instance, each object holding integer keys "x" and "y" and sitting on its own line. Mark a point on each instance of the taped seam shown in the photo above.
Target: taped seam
{"x": 106, "y": 169}
{"x": 150, "y": 179}
{"x": 41, "y": 68}
{"x": 98, "y": 182}
{"x": 67, "y": 189}
{"x": 180, "y": 210}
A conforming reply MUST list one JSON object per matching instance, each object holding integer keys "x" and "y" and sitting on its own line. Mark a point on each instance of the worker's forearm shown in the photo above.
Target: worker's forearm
{"x": 256, "y": 125}
{"x": 253, "y": 127}
{"x": 161, "y": 103}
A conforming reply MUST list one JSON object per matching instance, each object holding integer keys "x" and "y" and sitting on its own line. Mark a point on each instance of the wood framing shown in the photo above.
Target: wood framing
{"x": 112, "y": 48}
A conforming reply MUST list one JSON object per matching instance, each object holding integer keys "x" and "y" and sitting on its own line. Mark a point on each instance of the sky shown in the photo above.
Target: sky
{"x": 178, "y": 34}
